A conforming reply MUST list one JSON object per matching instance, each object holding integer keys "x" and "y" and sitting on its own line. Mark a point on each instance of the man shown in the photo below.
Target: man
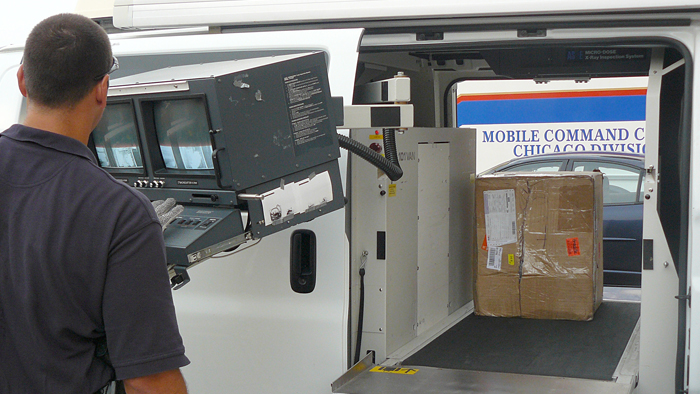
{"x": 82, "y": 257}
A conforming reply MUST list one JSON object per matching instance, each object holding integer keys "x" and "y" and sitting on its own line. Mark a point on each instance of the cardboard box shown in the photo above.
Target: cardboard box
{"x": 540, "y": 245}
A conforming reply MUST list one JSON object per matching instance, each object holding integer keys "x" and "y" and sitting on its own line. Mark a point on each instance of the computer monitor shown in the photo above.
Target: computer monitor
{"x": 182, "y": 129}
{"x": 116, "y": 139}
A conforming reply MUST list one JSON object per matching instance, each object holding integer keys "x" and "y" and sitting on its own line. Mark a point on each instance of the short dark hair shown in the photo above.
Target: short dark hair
{"x": 64, "y": 57}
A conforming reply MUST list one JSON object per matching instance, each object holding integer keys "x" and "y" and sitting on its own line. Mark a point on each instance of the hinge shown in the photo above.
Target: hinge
{"x": 684, "y": 298}
{"x": 530, "y": 33}
{"x": 430, "y": 36}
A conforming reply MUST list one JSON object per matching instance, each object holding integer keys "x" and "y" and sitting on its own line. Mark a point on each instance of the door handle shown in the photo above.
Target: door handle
{"x": 302, "y": 267}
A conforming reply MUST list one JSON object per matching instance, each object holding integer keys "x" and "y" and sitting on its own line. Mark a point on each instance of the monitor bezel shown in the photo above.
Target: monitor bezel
{"x": 123, "y": 171}
{"x": 147, "y": 110}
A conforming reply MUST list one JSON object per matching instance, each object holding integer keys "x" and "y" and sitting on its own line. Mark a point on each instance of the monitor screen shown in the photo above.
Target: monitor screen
{"x": 182, "y": 130}
{"x": 116, "y": 138}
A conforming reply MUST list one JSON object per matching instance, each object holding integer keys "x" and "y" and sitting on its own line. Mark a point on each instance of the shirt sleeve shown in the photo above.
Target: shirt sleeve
{"x": 138, "y": 311}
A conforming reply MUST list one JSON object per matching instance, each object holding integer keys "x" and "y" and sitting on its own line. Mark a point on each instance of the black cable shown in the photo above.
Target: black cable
{"x": 390, "y": 168}
{"x": 389, "y": 138}
{"x": 360, "y": 316}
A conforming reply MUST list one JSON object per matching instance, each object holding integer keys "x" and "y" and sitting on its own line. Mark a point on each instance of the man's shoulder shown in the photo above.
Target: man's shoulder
{"x": 123, "y": 198}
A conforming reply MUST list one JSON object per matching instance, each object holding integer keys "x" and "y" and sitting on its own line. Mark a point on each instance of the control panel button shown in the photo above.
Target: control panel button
{"x": 207, "y": 223}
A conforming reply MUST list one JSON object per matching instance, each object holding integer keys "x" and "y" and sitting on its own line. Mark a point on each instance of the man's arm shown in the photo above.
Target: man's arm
{"x": 168, "y": 382}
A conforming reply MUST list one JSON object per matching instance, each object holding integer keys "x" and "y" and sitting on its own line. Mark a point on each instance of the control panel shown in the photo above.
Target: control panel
{"x": 199, "y": 233}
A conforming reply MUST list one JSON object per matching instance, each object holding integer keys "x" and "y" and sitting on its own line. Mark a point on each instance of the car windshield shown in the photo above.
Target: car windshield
{"x": 621, "y": 183}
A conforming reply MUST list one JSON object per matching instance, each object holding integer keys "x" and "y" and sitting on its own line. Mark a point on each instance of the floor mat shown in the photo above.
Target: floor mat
{"x": 588, "y": 350}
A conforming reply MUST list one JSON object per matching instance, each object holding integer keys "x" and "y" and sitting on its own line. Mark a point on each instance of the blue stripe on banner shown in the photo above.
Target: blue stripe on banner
{"x": 558, "y": 110}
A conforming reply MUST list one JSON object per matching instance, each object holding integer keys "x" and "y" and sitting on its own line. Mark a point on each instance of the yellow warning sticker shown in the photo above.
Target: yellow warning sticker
{"x": 402, "y": 371}
{"x": 392, "y": 190}
{"x": 511, "y": 259}
{"x": 376, "y": 137}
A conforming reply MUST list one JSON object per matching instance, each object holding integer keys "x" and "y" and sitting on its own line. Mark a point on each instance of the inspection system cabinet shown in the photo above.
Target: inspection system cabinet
{"x": 414, "y": 236}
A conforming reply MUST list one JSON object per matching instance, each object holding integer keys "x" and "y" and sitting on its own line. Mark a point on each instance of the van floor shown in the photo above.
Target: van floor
{"x": 574, "y": 349}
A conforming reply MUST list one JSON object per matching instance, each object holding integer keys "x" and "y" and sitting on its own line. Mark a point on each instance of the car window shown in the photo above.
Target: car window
{"x": 539, "y": 166}
{"x": 621, "y": 183}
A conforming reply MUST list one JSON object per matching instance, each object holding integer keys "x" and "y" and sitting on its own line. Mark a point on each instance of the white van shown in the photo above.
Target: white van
{"x": 246, "y": 330}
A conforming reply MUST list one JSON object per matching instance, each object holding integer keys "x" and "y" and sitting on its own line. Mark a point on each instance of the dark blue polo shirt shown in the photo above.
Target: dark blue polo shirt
{"x": 81, "y": 257}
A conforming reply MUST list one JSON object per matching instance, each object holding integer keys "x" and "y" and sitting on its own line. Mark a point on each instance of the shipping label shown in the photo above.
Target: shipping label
{"x": 499, "y": 209}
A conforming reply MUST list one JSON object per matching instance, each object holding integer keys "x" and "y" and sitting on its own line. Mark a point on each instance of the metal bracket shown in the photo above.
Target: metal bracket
{"x": 180, "y": 278}
{"x": 684, "y": 298}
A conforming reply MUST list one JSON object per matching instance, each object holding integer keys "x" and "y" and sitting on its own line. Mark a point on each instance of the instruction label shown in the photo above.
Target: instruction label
{"x": 499, "y": 209}
{"x": 402, "y": 371}
{"x": 493, "y": 260}
{"x": 308, "y": 111}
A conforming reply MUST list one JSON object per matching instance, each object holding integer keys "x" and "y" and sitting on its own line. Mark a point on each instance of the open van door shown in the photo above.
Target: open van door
{"x": 245, "y": 327}
{"x": 665, "y": 244}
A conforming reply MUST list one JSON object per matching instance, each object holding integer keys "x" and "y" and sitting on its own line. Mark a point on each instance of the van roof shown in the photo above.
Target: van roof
{"x": 238, "y": 13}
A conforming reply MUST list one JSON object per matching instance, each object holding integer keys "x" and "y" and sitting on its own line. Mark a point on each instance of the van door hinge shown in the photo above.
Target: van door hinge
{"x": 684, "y": 297}
{"x": 528, "y": 33}
{"x": 430, "y": 36}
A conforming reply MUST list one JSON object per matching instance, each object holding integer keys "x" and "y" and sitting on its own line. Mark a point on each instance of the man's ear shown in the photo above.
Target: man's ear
{"x": 20, "y": 80}
{"x": 101, "y": 91}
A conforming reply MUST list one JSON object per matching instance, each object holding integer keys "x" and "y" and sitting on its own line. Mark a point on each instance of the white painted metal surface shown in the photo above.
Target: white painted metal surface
{"x": 694, "y": 222}
{"x": 433, "y": 234}
{"x": 11, "y": 98}
{"x": 659, "y": 317}
{"x": 156, "y": 13}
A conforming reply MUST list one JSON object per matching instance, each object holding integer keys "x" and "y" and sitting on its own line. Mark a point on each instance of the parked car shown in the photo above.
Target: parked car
{"x": 622, "y": 205}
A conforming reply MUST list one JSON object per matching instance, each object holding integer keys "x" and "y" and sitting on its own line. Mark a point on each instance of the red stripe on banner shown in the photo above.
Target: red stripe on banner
{"x": 545, "y": 95}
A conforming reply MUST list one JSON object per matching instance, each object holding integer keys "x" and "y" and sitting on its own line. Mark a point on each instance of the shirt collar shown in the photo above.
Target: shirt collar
{"x": 49, "y": 140}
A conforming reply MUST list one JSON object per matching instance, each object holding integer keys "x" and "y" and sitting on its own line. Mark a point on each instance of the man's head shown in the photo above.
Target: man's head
{"x": 65, "y": 56}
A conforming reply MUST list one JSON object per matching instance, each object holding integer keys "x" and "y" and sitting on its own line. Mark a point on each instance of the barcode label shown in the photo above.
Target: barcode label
{"x": 500, "y": 217}
{"x": 493, "y": 259}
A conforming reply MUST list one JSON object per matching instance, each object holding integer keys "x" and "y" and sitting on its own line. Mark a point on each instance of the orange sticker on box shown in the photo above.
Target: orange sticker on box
{"x": 484, "y": 245}
{"x": 573, "y": 247}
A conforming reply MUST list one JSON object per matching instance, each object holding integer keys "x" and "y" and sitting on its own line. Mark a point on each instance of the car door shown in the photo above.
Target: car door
{"x": 622, "y": 219}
